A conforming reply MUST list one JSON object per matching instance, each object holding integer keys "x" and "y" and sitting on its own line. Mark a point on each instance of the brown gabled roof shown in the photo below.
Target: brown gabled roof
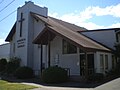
{"x": 11, "y": 33}
{"x": 97, "y": 30}
{"x": 69, "y": 25}
{"x": 67, "y": 33}
{"x": 63, "y": 23}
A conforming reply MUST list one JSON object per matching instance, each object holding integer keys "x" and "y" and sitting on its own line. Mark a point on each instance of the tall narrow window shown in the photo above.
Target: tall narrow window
{"x": 21, "y": 23}
{"x": 113, "y": 62}
{"x": 101, "y": 62}
{"x": 117, "y": 37}
{"x": 14, "y": 48}
{"x": 64, "y": 47}
{"x": 68, "y": 48}
{"x": 106, "y": 61}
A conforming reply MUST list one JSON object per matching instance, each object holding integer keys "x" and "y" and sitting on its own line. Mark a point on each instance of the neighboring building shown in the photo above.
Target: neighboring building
{"x": 42, "y": 41}
{"x": 5, "y": 51}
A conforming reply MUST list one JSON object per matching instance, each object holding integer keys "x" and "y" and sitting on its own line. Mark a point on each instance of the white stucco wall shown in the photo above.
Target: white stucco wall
{"x": 5, "y": 51}
{"x": 29, "y": 54}
{"x": 106, "y": 37}
{"x": 70, "y": 61}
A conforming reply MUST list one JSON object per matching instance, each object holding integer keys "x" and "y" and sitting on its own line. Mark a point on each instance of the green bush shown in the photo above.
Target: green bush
{"x": 3, "y": 63}
{"x": 12, "y": 65}
{"x": 96, "y": 77}
{"x": 54, "y": 75}
{"x": 24, "y": 73}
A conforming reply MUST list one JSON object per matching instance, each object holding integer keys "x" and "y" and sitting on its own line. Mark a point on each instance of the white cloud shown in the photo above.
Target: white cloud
{"x": 109, "y": 10}
{"x": 2, "y": 41}
{"x": 115, "y": 25}
{"x": 90, "y": 25}
{"x": 82, "y": 17}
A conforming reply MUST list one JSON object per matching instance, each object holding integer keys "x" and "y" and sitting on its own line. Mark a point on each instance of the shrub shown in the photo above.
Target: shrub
{"x": 3, "y": 63}
{"x": 12, "y": 65}
{"x": 114, "y": 73}
{"x": 96, "y": 77}
{"x": 54, "y": 75}
{"x": 24, "y": 73}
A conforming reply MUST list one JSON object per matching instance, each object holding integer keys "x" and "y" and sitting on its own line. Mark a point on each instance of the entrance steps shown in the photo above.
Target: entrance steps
{"x": 77, "y": 78}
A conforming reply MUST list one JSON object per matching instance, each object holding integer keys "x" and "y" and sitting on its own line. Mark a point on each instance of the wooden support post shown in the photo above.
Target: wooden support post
{"x": 49, "y": 54}
{"x": 41, "y": 58}
{"x": 48, "y": 49}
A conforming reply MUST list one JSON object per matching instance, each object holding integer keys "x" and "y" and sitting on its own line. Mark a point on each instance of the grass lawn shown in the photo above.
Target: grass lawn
{"x": 4, "y": 85}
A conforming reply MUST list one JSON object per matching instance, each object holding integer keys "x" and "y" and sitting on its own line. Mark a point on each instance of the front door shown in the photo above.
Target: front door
{"x": 90, "y": 60}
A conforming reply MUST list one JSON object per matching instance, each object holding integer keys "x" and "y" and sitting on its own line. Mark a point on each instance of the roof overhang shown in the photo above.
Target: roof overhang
{"x": 49, "y": 33}
{"x": 44, "y": 37}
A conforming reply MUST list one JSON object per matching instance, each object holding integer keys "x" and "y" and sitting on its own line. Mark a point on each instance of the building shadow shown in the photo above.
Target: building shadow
{"x": 72, "y": 84}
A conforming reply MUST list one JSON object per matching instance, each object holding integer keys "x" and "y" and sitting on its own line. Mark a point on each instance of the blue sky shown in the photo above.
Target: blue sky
{"x": 91, "y": 14}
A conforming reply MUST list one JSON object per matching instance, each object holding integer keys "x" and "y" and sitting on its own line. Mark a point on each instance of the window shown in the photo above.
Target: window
{"x": 14, "y": 48}
{"x": 117, "y": 37}
{"x": 101, "y": 61}
{"x": 81, "y": 51}
{"x": 106, "y": 61}
{"x": 68, "y": 48}
{"x": 113, "y": 61}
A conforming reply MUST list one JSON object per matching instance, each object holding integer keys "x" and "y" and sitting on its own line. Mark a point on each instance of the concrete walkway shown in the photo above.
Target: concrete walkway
{"x": 113, "y": 85}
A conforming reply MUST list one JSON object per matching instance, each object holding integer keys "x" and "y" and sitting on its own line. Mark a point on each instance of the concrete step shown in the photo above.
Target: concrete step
{"x": 77, "y": 78}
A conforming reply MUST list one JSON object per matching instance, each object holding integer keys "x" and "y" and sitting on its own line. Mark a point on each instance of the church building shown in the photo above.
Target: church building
{"x": 42, "y": 41}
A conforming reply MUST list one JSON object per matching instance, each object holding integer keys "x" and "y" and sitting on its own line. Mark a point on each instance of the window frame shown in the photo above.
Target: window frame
{"x": 68, "y": 48}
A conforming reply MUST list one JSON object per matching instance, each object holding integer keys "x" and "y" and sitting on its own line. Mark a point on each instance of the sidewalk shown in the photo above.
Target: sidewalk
{"x": 112, "y": 85}
{"x": 55, "y": 88}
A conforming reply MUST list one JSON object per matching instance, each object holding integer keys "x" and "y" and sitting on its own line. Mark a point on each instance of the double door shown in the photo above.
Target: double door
{"x": 90, "y": 64}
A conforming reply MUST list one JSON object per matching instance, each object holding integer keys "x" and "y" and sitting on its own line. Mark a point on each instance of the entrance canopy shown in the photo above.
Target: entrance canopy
{"x": 54, "y": 28}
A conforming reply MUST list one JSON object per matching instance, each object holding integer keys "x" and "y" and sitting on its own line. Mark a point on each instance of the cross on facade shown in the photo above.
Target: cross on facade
{"x": 21, "y": 20}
